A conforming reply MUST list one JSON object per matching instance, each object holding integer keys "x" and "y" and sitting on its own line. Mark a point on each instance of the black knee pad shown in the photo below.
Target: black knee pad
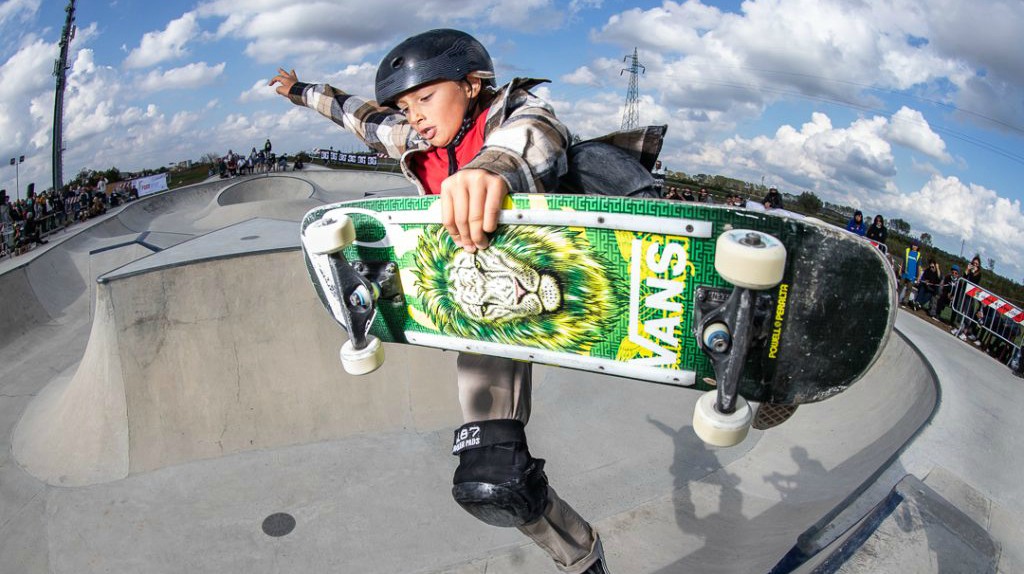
{"x": 497, "y": 480}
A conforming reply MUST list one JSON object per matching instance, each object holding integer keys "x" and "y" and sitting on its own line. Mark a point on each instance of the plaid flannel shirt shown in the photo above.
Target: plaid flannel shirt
{"x": 524, "y": 143}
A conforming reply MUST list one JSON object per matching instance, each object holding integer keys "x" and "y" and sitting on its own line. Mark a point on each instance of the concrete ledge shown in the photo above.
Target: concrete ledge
{"x": 915, "y": 530}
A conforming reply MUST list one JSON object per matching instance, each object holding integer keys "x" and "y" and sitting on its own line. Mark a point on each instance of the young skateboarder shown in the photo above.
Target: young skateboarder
{"x": 438, "y": 109}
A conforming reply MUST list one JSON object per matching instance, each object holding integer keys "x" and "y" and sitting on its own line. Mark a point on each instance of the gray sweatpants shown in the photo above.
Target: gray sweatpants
{"x": 495, "y": 388}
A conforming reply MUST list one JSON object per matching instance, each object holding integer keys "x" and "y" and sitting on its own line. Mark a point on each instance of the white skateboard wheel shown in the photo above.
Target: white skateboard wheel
{"x": 362, "y": 361}
{"x": 329, "y": 235}
{"x": 717, "y": 429}
{"x": 750, "y": 259}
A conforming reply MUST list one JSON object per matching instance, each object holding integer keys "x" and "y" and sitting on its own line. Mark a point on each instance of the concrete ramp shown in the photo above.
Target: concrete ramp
{"x": 210, "y": 396}
{"x": 278, "y": 188}
{"x": 205, "y": 359}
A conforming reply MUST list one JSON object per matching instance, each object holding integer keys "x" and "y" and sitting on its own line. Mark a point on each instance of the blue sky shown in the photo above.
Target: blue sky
{"x": 911, "y": 109}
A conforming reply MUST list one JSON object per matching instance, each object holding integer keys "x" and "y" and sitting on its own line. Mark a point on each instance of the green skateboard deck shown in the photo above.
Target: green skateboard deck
{"x": 611, "y": 285}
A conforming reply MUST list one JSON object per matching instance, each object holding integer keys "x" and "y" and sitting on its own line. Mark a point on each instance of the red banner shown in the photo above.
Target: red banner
{"x": 994, "y": 302}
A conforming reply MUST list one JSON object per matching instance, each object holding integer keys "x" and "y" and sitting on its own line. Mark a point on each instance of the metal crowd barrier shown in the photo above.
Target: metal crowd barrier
{"x": 986, "y": 316}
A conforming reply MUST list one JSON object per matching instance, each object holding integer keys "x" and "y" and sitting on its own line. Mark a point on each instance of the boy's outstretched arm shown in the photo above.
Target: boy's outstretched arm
{"x": 381, "y": 128}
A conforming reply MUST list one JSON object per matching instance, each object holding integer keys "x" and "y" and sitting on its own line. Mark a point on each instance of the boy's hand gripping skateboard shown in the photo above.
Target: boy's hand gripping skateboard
{"x": 745, "y": 305}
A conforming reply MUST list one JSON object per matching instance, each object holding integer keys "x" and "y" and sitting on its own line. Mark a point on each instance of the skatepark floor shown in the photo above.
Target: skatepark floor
{"x": 154, "y": 421}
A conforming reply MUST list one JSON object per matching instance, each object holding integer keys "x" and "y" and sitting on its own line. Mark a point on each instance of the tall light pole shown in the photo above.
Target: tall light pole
{"x": 17, "y": 177}
{"x": 60, "y": 68}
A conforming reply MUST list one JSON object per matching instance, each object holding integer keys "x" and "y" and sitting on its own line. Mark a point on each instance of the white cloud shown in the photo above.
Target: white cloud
{"x": 317, "y": 35}
{"x": 909, "y": 128}
{"x": 832, "y": 50}
{"x": 949, "y": 207}
{"x": 259, "y": 91}
{"x": 20, "y": 76}
{"x": 818, "y": 156}
{"x": 524, "y": 14}
{"x": 18, "y": 9}
{"x": 167, "y": 44}
{"x": 582, "y": 76}
{"x": 190, "y": 76}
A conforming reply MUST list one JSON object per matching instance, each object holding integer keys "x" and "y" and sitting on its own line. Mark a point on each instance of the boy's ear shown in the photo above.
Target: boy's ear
{"x": 474, "y": 85}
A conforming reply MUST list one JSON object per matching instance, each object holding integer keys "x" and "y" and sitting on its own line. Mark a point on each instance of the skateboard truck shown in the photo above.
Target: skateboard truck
{"x": 728, "y": 324}
{"x": 357, "y": 286}
{"x": 726, "y": 334}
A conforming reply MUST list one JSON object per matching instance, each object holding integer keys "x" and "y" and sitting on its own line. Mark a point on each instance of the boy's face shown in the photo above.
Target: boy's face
{"x": 436, "y": 110}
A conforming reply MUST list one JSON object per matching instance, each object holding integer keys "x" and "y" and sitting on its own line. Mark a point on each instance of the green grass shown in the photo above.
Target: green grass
{"x": 194, "y": 174}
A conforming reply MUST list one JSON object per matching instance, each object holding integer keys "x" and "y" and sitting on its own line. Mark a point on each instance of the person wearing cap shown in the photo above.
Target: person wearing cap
{"x": 438, "y": 110}
{"x": 911, "y": 270}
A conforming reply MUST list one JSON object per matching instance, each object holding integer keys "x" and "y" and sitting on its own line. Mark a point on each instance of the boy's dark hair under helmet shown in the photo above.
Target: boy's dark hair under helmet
{"x": 442, "y": 54}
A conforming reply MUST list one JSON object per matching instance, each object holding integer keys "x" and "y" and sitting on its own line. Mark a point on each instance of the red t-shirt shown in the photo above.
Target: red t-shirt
{"x": 431, "y": 166}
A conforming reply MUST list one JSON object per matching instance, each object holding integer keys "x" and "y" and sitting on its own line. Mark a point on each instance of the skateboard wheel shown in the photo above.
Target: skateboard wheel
{"x": 717, "y": 429}
{"x": 362, "y": 361}
{"x": 750, "y": 259}
{"x": 329, "y": 235}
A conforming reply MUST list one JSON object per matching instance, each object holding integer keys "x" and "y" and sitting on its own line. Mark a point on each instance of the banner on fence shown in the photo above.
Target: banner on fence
{"x": 994, "y": 302}
{"x": 150, "y": 184}
{"x": 349, "y": 158}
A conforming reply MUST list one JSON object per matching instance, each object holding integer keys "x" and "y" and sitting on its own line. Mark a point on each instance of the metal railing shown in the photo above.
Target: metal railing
{"x": 983, "y": 317}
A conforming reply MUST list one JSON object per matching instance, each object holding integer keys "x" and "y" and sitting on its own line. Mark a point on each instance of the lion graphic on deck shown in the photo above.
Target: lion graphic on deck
{"x": 534, "y": 286}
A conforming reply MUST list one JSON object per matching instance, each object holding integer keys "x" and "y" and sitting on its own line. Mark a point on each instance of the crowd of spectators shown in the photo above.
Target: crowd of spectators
{"x": 262, "y": 160}
{"x": 25, "y": 222}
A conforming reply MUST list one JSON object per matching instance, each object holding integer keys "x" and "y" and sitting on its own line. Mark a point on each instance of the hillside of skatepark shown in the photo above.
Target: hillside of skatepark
{"x": 169, "y": 379}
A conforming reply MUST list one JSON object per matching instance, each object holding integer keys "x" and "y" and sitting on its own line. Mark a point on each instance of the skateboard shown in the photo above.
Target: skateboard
{"x": 745, "y": 306}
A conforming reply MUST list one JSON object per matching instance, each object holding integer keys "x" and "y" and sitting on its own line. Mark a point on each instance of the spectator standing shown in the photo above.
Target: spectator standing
{"x": 927, "y": 286}
{"x": 968, "y": 306}
{"x": 877, "y": 231}
{"x": 267, "y": 147}
{"x": 911, "y": 262}
{"x": 658, "y": 173}
{"x": 31, "y": 230}
{"x": 688, "y": 195}
{"x": 5, "y": 208}
{"x": 856, "y": 224}
{"x": 101, "y": 188}
{"x": 83, "y": 204}
{"x": 945, "y": 292}
{"x": 6, "y": 224}
{"x": 773, "y": 200}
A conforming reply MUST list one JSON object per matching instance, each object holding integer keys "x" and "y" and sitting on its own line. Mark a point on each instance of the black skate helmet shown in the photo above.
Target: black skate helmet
{"x": 435, "y": 55}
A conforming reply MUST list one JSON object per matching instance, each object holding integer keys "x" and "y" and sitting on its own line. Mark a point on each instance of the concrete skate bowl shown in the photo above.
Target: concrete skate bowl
{"x": 44, "y": 287}
{"x": 180, "y": 367}
{"x": 278, "y": 188}
{"x": 225, "y": 356}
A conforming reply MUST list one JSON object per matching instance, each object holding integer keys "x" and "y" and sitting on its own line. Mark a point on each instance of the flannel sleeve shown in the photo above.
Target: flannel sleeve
{"x": 383, "y": 129}
{"x": 528, "y": 148}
